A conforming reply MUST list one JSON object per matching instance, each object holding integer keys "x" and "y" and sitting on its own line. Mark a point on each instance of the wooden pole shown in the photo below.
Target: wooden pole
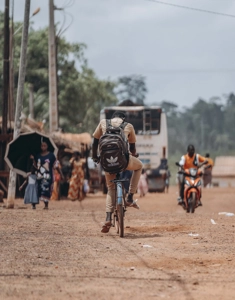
{"x": 19, "y": 99}
{"x": 5, "y": 68}
{"x": 53, "y": 111}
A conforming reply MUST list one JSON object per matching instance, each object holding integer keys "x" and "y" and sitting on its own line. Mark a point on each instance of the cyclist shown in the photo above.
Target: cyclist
{"x": 134, "y": 165}
{"x": 187, "y": 161}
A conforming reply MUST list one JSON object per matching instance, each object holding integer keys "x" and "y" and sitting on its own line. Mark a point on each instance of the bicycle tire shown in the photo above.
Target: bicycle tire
{"x": 115, "y": 221}
{"x": 120, "y": 214}
{"x": 192, "y": 203}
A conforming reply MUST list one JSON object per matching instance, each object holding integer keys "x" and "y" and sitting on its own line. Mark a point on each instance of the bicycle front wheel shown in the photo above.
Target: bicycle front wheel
{"x": 120, "y": 222}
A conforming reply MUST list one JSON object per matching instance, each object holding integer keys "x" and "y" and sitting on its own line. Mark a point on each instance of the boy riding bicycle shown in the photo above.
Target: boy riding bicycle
{"x": 134, "y": 165}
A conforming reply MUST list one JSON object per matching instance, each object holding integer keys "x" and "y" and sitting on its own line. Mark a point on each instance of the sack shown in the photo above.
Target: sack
{"x": 114, "y": 149}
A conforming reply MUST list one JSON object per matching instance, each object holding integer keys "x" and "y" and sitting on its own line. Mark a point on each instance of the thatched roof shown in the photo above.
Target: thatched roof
{"x": 72, "y": 140}
{"x": 224, "y": 166}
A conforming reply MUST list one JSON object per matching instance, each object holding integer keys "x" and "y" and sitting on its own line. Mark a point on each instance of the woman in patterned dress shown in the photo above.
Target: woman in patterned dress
{"x": 77, "y": 178}
{"x": 45, "y": 161}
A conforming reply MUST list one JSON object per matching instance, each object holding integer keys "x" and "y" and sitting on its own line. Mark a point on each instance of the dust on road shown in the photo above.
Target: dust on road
{"x": 165, "y": 254}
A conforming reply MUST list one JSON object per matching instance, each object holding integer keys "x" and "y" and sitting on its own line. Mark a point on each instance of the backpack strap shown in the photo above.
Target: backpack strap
{"x": 108, "y": 123}
{"x": 123, "y": 125}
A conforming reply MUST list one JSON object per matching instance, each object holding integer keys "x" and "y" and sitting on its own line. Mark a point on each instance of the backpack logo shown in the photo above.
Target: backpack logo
{"x": 114, "y": 148}
{"x": 112, "y": 161}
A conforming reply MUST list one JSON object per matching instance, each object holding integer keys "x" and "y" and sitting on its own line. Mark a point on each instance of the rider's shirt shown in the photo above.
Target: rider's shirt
{"x": 188, "y": 162}
{"x": 116, "y": 122}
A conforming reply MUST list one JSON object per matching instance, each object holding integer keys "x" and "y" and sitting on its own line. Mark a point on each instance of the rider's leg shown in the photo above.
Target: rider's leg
{"x": 181, "y": 192}
{"x": 136, "y": 166}
{"x": 110, "y": 200}
{"x": 199, "y": 201}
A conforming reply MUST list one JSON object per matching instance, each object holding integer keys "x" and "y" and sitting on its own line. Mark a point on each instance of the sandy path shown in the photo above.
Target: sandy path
{"x": 61, "y": 253}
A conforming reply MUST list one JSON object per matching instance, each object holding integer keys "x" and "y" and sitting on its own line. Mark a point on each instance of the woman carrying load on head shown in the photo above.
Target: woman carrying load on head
{"x": 77, "y": 178}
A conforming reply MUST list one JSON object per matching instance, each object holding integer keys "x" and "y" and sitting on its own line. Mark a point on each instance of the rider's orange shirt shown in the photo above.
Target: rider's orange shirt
{"x": 192, "y": 162}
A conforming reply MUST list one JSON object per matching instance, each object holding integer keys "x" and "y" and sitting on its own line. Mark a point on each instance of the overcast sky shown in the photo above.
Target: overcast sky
{"x": 183, "y": 54}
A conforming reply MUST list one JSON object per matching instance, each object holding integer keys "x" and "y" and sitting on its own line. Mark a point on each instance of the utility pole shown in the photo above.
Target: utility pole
{"x": 19, "y": 99}
{"x": 53, "y": 104}
{"x": 11, "y": 80}
{"x": 5, "y": 68}
{"x": 31, "y": 101}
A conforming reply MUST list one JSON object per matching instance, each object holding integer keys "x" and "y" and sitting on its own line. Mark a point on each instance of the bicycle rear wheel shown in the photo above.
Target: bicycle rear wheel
{"x": 115, "y": 221}
{"x": 120, "y": 222}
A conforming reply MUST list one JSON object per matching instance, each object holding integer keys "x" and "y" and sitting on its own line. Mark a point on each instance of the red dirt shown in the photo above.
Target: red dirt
{"x": 61, "y": 253}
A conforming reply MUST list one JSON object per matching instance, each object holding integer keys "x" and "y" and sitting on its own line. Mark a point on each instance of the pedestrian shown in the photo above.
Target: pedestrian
{"x": 143, "y": 184}
{"x": 167, "y": 179}
{"x": 77, "y": 178}
{"x": 207, "y": 172}
{"x": 31, "y": 191}
{"x": 58, "y": 176}
{"x": 45, "y": 162}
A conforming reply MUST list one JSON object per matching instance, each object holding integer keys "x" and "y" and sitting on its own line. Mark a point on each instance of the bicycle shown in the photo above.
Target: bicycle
{"x": 119, "y": 205}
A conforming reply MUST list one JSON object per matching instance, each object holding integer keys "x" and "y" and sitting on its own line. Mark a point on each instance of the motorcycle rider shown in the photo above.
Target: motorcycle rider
{"x": 187, "y": 161}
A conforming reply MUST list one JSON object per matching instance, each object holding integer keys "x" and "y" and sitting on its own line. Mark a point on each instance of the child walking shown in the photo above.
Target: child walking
{"x": 31, "y": 191}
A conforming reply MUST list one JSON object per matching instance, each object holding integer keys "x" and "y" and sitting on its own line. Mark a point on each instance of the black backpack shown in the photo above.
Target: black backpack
{"x": 114, "y": 149}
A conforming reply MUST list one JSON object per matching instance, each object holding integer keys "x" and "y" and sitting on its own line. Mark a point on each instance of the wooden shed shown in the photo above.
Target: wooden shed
{"x": 223, "y": 172}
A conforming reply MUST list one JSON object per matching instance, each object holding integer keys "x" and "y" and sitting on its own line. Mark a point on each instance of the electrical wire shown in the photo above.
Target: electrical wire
{"x": 67, "y": 4}
{"x": 63, "y": 24}
{"x": 71, "y": 22}
{"x": 192, "y": 8}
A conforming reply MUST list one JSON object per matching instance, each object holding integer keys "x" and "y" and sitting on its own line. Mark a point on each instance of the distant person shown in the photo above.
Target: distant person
{"x": 143, "y": 184}
{"x": 31, "y": 191}
{"x": 187, "y": 161}
{"x": 167, "y": 179}
{"x": 58, "y": 176}
{"x": 45, "y": 162}
{"x": 207, "y": 173}
{"x": 77, "y": 179}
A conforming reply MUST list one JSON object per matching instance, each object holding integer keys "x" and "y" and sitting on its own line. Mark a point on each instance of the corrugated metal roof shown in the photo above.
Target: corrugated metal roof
{"x": 224, "y": 166}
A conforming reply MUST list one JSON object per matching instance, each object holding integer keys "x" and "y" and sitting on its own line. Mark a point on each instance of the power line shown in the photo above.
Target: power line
{"x": 192, "y": 8}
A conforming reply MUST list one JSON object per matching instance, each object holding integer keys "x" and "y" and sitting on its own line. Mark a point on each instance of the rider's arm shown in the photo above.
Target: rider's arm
{"x": 182, "y": 161}
{"x": 95, "y": 148}
{"x": 132, "y": 139}
{"x": 132, "y": 149}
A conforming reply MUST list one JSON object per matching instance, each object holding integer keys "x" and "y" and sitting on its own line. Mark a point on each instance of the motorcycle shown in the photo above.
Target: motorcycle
{"x": 192, "y": 186}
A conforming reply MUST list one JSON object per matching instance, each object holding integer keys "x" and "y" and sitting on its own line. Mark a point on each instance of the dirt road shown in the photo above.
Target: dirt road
{"x": 61, "y": 253}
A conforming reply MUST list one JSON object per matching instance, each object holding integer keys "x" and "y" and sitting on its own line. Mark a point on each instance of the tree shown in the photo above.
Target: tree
{"x": 133, "y": 88}
{"x": 81, "y": 94}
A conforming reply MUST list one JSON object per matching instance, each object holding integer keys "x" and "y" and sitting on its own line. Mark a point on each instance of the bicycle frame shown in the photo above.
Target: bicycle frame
{"x": 119, "y": 205}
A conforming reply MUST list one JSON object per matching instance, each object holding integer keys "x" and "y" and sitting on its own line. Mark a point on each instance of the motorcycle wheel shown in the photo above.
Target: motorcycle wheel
{"x": 192, "y": 203}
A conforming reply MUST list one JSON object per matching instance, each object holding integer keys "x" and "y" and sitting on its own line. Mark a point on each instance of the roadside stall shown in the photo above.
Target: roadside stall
{"x": 68, "y": 143}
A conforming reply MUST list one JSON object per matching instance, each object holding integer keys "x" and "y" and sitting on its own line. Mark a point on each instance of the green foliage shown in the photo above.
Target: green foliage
{"x": 132, "y": 88}
{"x": 81, "y": 94}
{"x": 209, "y": 125}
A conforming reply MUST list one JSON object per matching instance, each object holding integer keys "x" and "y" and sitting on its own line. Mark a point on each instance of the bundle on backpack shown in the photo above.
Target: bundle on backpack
{"x": 114, "y": 149}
